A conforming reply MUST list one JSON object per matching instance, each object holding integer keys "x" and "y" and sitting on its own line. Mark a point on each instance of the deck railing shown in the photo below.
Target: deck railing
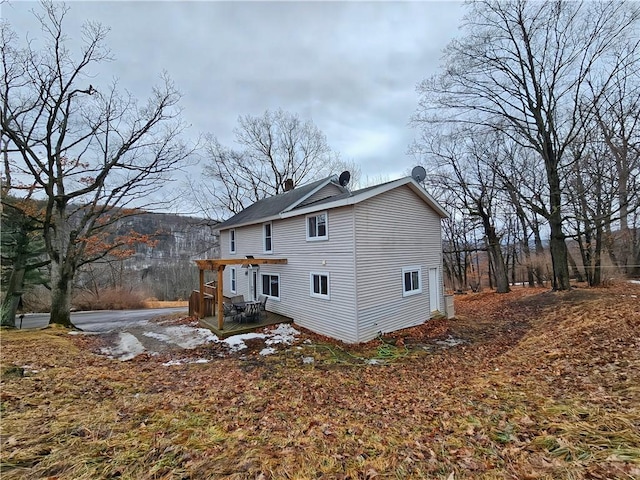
{"x": 209, "y": 301}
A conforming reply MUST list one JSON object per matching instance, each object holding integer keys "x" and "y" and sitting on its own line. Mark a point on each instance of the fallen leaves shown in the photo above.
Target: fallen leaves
{"x": 545, "y": 385}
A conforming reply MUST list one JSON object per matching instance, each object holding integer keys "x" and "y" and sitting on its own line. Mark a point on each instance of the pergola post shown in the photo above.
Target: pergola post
{"x": 201, "y": 308}
{"x": 219, "y": 291}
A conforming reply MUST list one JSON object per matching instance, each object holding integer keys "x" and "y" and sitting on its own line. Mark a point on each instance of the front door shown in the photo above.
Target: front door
{"x": 434, "y": 290}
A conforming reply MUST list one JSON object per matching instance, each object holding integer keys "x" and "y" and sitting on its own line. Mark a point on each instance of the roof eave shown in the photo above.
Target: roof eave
{"x": 312, "y": 192}
{"x": 428, "y": 199}
{"x": 247, "y": 223}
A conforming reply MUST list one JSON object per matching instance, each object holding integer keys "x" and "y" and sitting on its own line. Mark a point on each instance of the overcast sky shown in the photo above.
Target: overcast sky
{"x": 350, "y": 67}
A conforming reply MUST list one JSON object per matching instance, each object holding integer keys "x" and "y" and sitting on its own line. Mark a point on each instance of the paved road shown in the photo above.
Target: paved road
{"x": 102, "y": 320}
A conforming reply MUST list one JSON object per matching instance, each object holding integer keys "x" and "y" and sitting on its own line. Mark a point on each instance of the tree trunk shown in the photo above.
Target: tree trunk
{"x": 12, "y": 296}
{"x": 597, "y": 264}
{"x": 60, "y": 246}
{"x": 558, "y": 247}
{"x": 61, "y": 290}
{"x": 499, "y": 267}
{"x": 574, "y": 267}
{"x": 539, "y": 271}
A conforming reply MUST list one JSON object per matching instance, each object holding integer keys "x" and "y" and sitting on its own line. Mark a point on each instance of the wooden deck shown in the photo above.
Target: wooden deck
{"x": 232, "y": 327}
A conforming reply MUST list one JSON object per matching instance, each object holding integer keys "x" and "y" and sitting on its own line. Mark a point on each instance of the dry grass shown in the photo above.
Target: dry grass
{"x": 545, "y": 386}
{"x": 164, "y": 303}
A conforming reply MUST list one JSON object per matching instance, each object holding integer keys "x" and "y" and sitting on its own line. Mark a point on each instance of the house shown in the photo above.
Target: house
{"x": 357, "y": 263}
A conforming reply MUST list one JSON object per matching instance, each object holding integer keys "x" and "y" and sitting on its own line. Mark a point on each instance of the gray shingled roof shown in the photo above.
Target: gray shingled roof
{"x": 341, "y": 196}
{"x": 271, "y": 206}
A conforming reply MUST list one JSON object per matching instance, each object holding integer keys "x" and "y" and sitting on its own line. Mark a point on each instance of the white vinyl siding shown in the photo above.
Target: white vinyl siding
{"x": 267, "y": 237}
{"x": 232, "y": 240}
{"x": 233, "y": 280}
{"x": 317, "y": 226}
{"x": 319, "y": 285}
{"x": 393, "y": 230}
{"x": 335, "y": 316}
{"x": 370, "y": 243}
{"x": 411, "y": 281}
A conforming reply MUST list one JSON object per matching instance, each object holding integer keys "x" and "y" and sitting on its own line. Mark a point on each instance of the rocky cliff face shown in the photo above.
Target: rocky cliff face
{"x": 177, "y": 238}
{"x": 165, "y": 270}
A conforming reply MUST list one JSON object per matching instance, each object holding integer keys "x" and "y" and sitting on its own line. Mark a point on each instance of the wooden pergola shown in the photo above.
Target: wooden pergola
{"x": 218, "y": 265}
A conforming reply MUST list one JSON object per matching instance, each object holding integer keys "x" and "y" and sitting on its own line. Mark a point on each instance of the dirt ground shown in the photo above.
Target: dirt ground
{"x": 531, "y": 384}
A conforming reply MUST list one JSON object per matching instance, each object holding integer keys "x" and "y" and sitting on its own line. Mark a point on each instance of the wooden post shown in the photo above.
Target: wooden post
{"x": 219, "y": 295}
{"x": 201, "y": 307}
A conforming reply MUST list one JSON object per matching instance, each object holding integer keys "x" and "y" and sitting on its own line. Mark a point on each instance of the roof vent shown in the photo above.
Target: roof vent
{"x": 288, "y": 184}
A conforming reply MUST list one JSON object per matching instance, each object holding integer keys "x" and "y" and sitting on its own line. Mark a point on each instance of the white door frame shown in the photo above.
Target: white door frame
{"x": 434, "y": 290}
{"x": 252, "y": 283}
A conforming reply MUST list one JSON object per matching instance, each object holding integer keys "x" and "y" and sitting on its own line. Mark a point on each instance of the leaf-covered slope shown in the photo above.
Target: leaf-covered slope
{"x": 545, "y": 385}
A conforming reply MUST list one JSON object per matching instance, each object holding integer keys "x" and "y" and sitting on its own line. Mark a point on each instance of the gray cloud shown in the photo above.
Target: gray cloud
{"x": 351, "y": 67}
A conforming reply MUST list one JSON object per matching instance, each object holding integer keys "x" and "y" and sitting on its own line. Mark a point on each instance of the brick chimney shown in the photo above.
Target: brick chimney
{"x": 288, "y": 184}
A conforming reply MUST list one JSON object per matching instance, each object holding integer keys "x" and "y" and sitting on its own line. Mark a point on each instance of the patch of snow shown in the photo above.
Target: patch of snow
{"x": 284, "y": 333}
{"x": 637, "y": 282}
{"x": 375, "y": 361}
{"x": 236, "y": 342}
{"x": 158, "y": 336}
{"x": 308, "y": 360}
{"x": 268, "y": 351}
{"x": 127, "y": 347}
{"x": 184, "y": 336}
{"x": 450, "y": 342}
{"x": 78, "y": 332}
{"x": 189, "y": 337}
{"x": 185, "y": 360}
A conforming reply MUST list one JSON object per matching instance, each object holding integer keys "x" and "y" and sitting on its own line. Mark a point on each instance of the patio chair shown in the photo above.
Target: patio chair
{"x": 229, "y": 309}
{"x": 237, "y": 299}
{"x": 263, "y": 304}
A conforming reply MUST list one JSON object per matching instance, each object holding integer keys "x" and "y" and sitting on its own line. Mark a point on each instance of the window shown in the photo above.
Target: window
{"x": 319, "y": 285}
{"x": 271, "y": 285}
{"x": 232, "y": 241}
{"x": 233, "y": 280}
{"x": 268, "y": 245}
{"x": 411, "y": 281}
{"x": 317, "y": 227}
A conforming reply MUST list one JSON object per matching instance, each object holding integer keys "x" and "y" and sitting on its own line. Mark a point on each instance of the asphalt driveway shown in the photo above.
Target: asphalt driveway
{"x": 102, "y": 320}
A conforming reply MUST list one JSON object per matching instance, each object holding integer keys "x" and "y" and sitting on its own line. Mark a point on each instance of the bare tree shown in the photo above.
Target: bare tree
{"x": 93, "y": 154}
{"x": 523, "y": 68}
{"x": 617, "y": 115}
{"x": 272, "y": 148}
{"x": 465, "y": 168}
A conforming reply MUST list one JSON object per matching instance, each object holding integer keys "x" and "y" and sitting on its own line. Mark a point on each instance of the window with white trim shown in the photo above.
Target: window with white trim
{"x": 233, "y": 280}
{"x": 270, "y": 285}
{"x": 232, "y": 241}
{"x": 267, "y": 237}
{"x": 411, "y": 281}
{"x": 319, "y": 285}
{"x": 317, "y": 226}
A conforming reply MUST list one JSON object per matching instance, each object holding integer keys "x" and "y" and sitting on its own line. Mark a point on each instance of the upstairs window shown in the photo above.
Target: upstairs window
{"x": 317, "y": 227}
{"x": 268, "y": 241}
{"x": 232, "y": 241}
{"x": 319, "y": 285}
{"x": 411, "y": 281}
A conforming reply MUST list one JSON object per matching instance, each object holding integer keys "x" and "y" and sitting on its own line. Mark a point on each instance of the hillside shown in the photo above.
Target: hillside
{"x": 164, "y": 269}
{"x": 527, "y": 385}
{"x": 178, "y": 238}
